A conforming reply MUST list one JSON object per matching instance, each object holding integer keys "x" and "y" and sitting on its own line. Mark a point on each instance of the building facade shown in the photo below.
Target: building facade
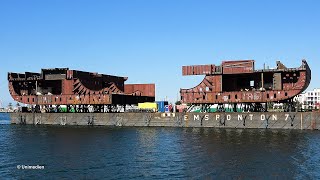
{"x": 309, "y": 99}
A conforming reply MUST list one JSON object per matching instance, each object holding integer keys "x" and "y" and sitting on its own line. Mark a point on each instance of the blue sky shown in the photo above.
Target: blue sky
{"x": 149, "y": 40}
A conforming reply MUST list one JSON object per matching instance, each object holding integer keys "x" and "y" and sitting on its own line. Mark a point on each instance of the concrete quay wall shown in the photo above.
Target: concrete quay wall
{"x": 268, "y": 120}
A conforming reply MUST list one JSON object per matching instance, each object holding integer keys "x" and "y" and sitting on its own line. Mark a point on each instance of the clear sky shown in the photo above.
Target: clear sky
{"x": 149, "y": 40}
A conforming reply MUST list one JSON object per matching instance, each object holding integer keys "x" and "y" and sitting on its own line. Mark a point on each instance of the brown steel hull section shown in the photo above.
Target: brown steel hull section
{"x": 120, "y": 99}
{"x": 240, "y": 97}
{"x": 63, "y": 99}
{"x": 210, "y": 90}
{"x": 71, "y": 87}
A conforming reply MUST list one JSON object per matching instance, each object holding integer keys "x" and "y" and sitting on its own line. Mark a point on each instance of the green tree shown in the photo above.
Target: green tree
{"x": 298, "y": 105}
{"x": 270, "y": 105}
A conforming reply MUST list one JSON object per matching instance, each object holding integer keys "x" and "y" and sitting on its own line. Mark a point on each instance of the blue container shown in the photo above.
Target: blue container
{"x": 166, "y": 108}
{"x": 161, "y": 105}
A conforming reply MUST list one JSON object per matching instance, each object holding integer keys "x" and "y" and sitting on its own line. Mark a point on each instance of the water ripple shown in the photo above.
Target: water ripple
{"x": 158, "y": 153}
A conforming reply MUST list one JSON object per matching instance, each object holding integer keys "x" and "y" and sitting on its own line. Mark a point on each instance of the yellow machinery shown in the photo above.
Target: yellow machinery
{"x": 148, "y": 106}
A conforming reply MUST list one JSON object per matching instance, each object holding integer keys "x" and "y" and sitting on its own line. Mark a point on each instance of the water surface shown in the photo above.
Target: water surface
{"x": 82, "y": 152}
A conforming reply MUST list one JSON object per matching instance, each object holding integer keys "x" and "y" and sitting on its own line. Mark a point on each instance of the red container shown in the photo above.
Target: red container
{"x": 145, "y": 89}
{"x": 235, "y": 67}
{"x": 198, "y": 70}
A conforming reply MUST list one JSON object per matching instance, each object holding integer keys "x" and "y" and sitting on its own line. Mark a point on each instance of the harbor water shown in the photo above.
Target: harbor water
{"x": 82, "y": 152}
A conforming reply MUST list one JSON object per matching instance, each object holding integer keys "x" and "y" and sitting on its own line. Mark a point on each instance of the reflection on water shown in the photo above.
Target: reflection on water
{"x": 147, "y": 153}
